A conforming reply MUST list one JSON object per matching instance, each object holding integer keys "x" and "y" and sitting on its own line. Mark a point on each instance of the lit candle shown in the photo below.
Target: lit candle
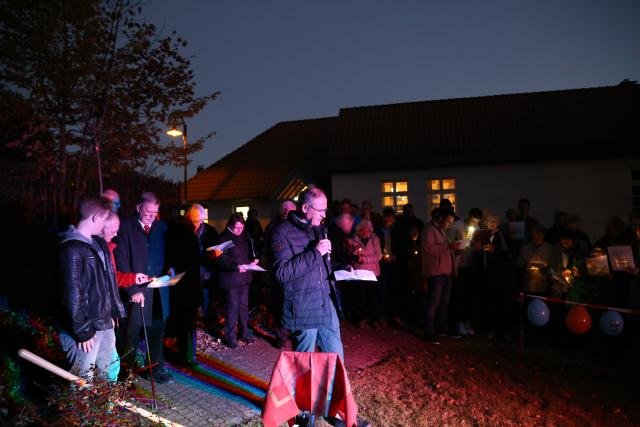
{"x": 470, "y": 231}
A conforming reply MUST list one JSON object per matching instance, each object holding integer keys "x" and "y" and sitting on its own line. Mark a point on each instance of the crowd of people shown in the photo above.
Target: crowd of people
{"x": 452, "y": 276}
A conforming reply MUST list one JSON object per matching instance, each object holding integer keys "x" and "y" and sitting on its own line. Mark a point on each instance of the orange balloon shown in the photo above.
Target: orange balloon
{"x": 578, "y": 320}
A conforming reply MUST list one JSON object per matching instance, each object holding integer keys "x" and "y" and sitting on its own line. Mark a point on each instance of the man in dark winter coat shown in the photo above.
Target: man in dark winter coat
{"x": 183, "y": 251}
{"x": 88, "y": 290}
{"x": 299, "y": 250}
{"x": 141, "y": 249}
{"x": 207, "y": 237}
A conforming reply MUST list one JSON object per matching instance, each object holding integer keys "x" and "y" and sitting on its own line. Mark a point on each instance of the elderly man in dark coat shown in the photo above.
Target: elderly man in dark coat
{"x": 299, "y": 250}
{"x": 141, "y": 249}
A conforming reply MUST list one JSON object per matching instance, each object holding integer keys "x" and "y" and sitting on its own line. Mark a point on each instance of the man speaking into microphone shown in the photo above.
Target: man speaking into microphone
{"x": 302, "y": 269}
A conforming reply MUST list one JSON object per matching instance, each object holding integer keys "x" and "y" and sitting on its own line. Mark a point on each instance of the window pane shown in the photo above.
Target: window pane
{"x": 402, "y": 200}
{"x": 387, "y": 201}
{"x": 435, "y": 199}
{"x": 450, "y": 196}
{"x": 449, "y": 184}
{"x": 435, "y": 184}
{"x": 244, "y": 210}
{"x": 387, "y": 187}
{"x": 402, "y": 186}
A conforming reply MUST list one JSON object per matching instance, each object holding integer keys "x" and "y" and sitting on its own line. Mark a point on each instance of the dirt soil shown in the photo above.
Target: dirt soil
{"x": 476, "y": 382}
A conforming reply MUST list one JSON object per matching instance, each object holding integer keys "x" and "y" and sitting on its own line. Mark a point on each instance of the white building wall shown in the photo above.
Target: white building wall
{"x": 219, "y": 211}
{"x": 594, "y": 189}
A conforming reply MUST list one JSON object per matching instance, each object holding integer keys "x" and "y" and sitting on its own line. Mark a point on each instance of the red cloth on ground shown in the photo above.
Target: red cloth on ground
{"x": 123, "y": 279}
{"x": 308, "y": 382}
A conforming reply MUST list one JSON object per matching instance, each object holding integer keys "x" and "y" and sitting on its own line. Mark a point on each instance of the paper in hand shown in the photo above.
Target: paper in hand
{"x": 164, "y": 281}
{"x": 355, "y": 275}
{"x": 621, "y": 258}
{"x": 221, "y": 247}
{"x": 254, "y": 267}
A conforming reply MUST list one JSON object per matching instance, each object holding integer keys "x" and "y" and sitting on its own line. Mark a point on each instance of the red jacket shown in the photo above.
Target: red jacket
{"x": 124, "y": 279}
{"x": 437, "y": 257}
{"x": 314, "y": 382}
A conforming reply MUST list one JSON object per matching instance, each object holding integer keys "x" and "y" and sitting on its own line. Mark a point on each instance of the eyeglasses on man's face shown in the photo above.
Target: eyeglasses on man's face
{"x": 322, "y": 211}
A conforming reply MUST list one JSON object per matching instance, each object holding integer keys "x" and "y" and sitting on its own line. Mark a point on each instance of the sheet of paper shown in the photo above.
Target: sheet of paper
{"x": 365, "y": 275}
{"x": 344, "y": 275}
{"x": 598, "y": 265}
{"x": 221, "y": 247}
{"x": 621, "y": 258}
{"x": 254, "y": 267}
{"x": 164, "y": 281}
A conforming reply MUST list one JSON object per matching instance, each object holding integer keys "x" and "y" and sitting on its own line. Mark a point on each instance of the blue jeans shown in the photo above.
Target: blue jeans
{"x": 101, "y": 355}
{"x": 327, "y": 338}
{"x": 438, "y": 303}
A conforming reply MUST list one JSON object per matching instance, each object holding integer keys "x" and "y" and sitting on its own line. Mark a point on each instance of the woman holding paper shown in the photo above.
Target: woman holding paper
{"x": 366, "y": 247}
{"x": 235, "y": 279}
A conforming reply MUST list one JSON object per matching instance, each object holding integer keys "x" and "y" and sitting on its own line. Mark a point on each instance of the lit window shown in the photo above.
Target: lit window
{"x": 448, "y": 184}
{"x": 244, "y": 210}
{"x": 394, "y": 194}
{"x": 441, "y": 188}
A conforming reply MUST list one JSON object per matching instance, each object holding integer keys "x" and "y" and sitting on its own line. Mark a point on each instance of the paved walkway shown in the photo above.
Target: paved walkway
{"x": 192, "y": 402}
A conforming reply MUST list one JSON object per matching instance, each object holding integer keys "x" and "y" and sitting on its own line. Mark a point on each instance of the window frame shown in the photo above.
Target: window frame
{"x": 394, "y": 194}
{"x": 441, "y": 192}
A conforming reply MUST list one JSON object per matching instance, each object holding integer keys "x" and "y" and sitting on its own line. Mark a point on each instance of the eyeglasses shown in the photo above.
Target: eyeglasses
{"x": 324, "y": 211}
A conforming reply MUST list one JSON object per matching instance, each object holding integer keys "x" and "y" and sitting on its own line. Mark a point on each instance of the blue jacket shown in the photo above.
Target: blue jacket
{"x": 301, "y": 271}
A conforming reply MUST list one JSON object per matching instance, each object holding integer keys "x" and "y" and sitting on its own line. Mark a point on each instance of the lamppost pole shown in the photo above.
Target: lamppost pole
{"x": 186, "y": 160}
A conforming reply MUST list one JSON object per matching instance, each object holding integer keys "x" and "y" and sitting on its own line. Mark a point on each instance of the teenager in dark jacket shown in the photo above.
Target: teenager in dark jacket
{"x": 235, "y": 280}
{"x": 89, "y": 301}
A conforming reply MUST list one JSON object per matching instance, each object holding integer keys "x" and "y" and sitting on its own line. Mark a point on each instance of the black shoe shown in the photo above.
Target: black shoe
{"x": 432, "y": 338}
{"x": 248, "y": 339}
{"x": 337, "y": 422}
{"x": 230, "y": 344}
{"x": 163, "y": 376}
{"x": 185, "y": 363}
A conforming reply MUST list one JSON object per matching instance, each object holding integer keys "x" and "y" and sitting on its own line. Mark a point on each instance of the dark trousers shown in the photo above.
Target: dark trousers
{"x": 186, "y": 333}
{"x": 236, "y": 312}
{"x": 463, "y": 295}
{"x": 438, "y": 296}
{"x": 496, "y": 300}
{"x": 155, "y": 333}
{"x": 366, "y": 299}
{"x": 385, "y": 283}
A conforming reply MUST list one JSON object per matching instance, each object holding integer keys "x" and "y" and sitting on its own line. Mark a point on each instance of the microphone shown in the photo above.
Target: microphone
{"x": 325, "y": 235}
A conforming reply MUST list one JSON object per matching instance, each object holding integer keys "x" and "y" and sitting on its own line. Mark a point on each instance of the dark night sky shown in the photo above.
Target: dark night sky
{"x": 286, "y": 60}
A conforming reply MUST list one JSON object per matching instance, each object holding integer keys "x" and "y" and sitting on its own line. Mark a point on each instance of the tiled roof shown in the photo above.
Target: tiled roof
{"x": 558, "y": 125}
{"x": 541, "y": 126}
{"x": 259, "y": 168}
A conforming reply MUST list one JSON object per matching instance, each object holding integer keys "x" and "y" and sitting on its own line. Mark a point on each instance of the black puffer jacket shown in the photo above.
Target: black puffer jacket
{"x": 302, "y": 273}
{"x": 88, "y": 289}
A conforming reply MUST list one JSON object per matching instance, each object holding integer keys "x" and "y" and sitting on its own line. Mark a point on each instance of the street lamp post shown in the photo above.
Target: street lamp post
{"x": 175, "y": 132}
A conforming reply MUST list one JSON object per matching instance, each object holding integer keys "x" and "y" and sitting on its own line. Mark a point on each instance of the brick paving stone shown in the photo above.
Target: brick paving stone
{"x": 193, "y": 403}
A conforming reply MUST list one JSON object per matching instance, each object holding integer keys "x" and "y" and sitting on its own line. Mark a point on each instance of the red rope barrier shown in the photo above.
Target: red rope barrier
{"x": 596, "y": 306}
